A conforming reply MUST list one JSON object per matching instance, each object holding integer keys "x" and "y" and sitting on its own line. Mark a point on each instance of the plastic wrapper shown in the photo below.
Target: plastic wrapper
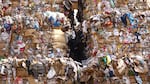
{"x": 51, "y": 73}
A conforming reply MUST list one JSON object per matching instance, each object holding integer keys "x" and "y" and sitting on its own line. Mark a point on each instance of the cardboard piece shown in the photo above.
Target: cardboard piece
{"x": 2, "y": 45}
{"x": 21, "y": 72}
{"x": 29, "y": 32}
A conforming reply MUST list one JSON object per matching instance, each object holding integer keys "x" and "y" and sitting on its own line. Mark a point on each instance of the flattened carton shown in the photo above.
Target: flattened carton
{"x": 21, "y": 72}
{"x": 29, "y": 32}
{"x": 2, "y": 45}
